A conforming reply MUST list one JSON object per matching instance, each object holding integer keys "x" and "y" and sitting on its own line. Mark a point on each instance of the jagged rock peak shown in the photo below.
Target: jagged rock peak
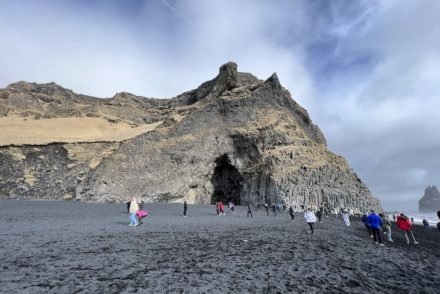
{"x": 228, "y": 77}
{"x": 274, "y": 81}
{"x": 230, "y": 67}
{"x": 430, "y": 202}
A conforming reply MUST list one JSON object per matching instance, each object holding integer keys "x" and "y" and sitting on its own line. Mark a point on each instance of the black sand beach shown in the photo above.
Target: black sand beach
{"x": 70, "y": 247}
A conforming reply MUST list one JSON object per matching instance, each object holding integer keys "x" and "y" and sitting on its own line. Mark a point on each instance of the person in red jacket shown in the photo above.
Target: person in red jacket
{"x": 222, "y": 208}
{"x": 405, "y": 225}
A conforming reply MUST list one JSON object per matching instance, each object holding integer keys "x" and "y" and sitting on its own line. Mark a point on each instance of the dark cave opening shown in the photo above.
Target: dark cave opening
{"x": 227, "y": 182}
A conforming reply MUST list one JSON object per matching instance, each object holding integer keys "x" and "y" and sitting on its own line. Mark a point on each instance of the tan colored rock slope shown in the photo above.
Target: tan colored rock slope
{"x": 234, "y": 138}
{"x": 21, "y": 131}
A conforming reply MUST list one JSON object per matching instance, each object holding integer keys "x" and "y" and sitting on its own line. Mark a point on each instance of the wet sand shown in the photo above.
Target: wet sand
{"x": 70, "y": 247}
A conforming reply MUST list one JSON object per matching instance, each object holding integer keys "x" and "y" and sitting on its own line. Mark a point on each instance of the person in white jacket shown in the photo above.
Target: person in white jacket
{"x": 346, "y": 217}
{"x": 310, "y": 217}
{"x": 134, "y": 207}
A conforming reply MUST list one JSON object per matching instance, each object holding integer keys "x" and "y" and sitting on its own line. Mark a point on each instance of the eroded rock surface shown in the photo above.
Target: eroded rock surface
{"x": 233, "y": 138}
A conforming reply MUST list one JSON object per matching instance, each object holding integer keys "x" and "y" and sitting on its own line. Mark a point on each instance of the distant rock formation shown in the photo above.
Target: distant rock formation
{"x": 234, "y": 138}
{"x": 430, "y": 202}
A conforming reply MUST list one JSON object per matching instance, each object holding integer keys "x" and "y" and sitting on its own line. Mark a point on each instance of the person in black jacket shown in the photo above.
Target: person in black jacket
{"x": 319, "y": 215}
{"x": 267, "y": 208}
{"x": 292, "y": 216}
{"x": 185, "y": 208}
{"x": 249, "y": 211}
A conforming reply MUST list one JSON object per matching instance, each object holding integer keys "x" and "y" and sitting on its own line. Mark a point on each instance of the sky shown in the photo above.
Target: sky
{"x": 366, "y": 71}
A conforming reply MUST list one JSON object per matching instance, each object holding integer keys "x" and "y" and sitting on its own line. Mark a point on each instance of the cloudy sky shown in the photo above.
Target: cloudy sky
{"x": 367, "y": 71}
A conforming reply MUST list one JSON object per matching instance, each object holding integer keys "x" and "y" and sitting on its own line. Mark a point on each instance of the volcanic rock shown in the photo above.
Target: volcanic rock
{"x": 234, "y": 138}
{"x": 430, "y": 202}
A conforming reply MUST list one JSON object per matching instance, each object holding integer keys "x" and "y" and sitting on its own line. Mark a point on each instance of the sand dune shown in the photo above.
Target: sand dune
{"x": 20, "y": 131}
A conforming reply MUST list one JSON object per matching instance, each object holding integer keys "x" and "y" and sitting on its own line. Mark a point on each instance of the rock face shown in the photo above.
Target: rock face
{"x": 234, "y": 138}
{"x": 430, "y": 202}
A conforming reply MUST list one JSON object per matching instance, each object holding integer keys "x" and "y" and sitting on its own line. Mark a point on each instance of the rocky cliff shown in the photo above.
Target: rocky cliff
{"x": 234, "y": 138}
{"x": 430, "y": 202}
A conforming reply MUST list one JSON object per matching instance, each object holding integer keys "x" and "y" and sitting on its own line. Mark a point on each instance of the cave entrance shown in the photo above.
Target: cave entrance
{"x": 227, "y": 182}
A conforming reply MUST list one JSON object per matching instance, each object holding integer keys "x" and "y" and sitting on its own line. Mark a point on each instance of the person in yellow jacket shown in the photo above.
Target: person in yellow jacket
{"x": 134, "y": 207}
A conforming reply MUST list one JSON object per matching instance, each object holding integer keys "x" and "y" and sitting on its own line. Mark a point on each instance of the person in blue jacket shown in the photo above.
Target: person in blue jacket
{"x": 367, "y": 225}
{"x": 375, "y": 223}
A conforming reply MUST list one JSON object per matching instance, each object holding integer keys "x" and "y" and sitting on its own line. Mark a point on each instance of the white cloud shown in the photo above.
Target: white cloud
{"x": 154, "y": 55}
{"x": 389, "y": 120}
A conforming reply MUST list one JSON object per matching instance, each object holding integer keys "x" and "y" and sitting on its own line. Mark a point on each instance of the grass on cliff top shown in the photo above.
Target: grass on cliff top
{"x": 20, "y": 131}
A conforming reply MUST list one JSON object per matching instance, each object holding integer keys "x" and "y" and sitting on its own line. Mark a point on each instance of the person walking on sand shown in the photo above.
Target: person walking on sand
{"x": 375, "y": 223}
{"x": 319, "y": 215}
{"x": 185, "y": 208}
{"x": 386, "y": 226}
{"x": 134, "y": 208}
{"x": 404, "y": 224}
{"x": 140, "y": 215}
{"x": 266, "y": 206}
{"x": 310, "y": 217}
{"x": 426, "y": 224}
{"x": 346, "y": 217}
{"x": 292, "y": 216}
{"x": 438, "y": 224}
{"x": 367, "y": 225}
{"x": 218, "y": 208}
{"x": 232, "y": 207}
{"x": 222, "y": 208}
{"x": 274, "y": 210}
{"x": 249, "y": 213}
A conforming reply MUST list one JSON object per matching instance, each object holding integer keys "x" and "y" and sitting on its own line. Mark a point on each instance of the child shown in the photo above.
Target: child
{"x": 140, "y": 215}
